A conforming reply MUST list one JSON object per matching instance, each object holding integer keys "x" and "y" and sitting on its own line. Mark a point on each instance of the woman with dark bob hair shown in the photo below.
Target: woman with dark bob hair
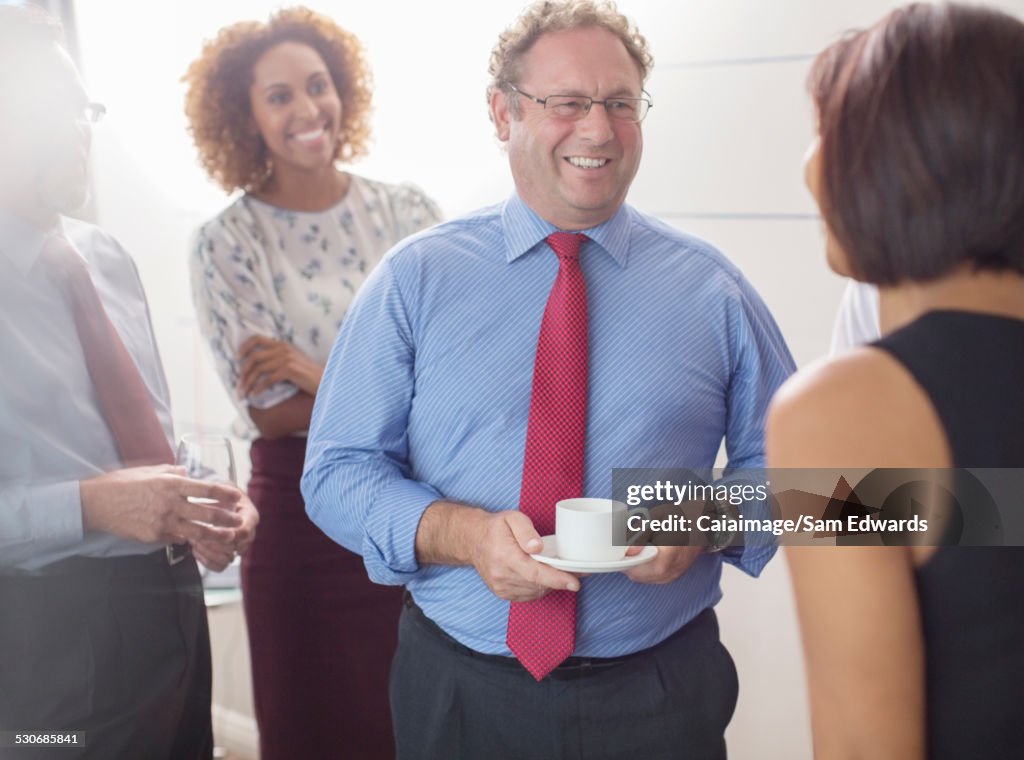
{"x": 273, "y": 107}
{"x": 917, "y": 651}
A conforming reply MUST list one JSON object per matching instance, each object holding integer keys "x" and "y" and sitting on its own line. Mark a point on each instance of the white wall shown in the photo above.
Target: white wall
{"x": 723, "y": 159}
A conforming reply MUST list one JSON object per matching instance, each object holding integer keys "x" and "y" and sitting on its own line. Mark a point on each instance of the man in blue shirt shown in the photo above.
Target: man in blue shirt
{"x": 416, "y": 450}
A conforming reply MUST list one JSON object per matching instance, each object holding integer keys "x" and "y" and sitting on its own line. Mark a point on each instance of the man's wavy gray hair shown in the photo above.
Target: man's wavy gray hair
{"x": 547, "y": 16}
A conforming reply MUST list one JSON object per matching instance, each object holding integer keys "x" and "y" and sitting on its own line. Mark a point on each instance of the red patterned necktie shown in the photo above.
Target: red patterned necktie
{"x": 121, "y": 392}
{"x": 542, "y": 633}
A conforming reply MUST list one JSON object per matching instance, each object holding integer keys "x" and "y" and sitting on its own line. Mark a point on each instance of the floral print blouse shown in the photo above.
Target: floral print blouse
{"x": 261, "y": 270}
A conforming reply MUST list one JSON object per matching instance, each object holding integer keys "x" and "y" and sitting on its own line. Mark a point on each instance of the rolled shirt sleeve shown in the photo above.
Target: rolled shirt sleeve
{"x": 232, "y": 304}
{"x": 357, "y": 480}
{"x": 761, "y": 362}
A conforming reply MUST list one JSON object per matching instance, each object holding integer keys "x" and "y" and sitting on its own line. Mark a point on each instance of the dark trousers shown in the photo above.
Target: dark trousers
{"x": 117, "y": 648}
{"x": 321, "y": 633}
{"x": 673, "y": 700}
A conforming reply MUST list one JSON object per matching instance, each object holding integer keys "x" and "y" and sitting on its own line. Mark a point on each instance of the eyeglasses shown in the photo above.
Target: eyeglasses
{"x": 93, "y": 112}
{"x": 575, "y": 107}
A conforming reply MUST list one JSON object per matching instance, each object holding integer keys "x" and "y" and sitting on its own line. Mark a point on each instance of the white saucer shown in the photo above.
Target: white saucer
{"x": 549, "y": 556}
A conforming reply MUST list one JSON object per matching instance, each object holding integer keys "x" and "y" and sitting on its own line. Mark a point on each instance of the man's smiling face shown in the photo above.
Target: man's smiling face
{"x": 574, "y": 174}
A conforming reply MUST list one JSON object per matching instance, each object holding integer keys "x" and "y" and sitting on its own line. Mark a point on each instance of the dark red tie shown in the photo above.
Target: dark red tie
{"x": 542, "y": 633}
{"x": 120, "y": 390}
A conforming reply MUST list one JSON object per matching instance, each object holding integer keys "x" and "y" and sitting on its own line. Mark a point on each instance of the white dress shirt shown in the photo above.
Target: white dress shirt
{"x": 857, "y": 320}
{"x": 52, "y": 431}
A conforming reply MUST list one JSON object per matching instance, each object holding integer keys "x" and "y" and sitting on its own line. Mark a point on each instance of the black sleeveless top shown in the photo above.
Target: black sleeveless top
{"x": 971, "y": 366}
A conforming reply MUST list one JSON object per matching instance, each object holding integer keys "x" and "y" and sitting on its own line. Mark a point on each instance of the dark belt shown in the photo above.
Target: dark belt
{"x": 572, "y": 667}
{"x": 175, "y": 553}
{"x": 169, "y": 556}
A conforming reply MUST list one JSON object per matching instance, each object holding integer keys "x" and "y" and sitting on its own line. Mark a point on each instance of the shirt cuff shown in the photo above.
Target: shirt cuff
{"x": 758, "y": 546}
{"x": 391, "y": 527}
{"x": 750, "y": 559}
{"x": 272, "y": 396}
{"x": 55, "y": 513}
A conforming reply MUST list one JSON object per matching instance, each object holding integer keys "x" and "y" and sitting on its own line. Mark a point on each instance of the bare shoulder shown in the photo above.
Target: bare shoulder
{"x": 862, "y": 409}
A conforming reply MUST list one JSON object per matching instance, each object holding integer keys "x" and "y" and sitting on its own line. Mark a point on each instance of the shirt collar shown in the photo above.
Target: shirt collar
{"x": 525, "y": 230}
{"x": 22, "y": 242}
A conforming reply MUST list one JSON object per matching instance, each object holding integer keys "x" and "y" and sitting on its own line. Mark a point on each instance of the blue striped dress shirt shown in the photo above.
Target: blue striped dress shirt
{"x": 427, "y": 391}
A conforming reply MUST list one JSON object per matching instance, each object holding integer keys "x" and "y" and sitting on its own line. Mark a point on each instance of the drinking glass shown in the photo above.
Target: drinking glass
{"x": 207, "y": 457}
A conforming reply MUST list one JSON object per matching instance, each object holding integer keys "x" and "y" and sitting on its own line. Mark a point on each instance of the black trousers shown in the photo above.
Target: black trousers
{"x": 116, "y": 648}
{"x": 673, "y": 700}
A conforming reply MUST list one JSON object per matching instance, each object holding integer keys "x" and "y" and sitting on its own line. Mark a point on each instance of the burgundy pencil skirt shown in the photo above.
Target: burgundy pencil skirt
{"x": 321, "y": 635}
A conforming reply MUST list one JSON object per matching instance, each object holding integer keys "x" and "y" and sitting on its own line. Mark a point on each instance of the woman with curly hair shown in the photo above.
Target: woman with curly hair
{"x": 272, "y": 107}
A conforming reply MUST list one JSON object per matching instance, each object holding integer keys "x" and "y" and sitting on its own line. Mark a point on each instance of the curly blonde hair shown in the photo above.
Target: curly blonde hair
{"x": 547, "y": 16}
{"x": 217, "y": 101}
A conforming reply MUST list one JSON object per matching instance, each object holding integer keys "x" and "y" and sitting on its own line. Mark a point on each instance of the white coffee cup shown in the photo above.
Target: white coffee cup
{"x": 585, "y": 529}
